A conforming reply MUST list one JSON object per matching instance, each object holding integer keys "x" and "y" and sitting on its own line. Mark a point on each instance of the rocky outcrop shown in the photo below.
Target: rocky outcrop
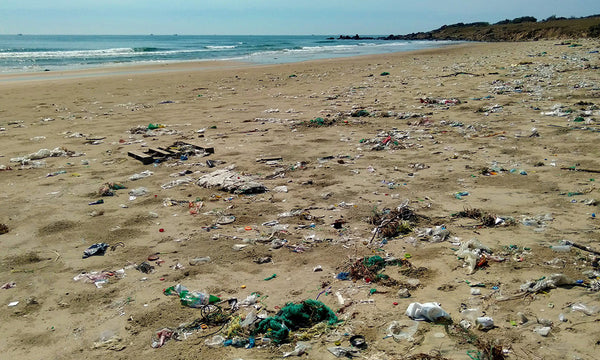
{"x": 588, "y": 27}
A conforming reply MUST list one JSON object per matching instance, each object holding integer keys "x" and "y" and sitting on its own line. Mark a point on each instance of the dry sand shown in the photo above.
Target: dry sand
{"x": 331, "y": 173}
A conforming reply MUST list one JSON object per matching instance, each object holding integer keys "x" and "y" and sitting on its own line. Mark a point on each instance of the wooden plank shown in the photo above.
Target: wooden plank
{"x": 160, "y": 152}
{"x": 199, "y": 147}
{"x": 144, "y": 158}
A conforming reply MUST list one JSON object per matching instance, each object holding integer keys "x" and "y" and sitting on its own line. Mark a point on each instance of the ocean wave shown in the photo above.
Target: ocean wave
{"x": 146, "y": 49}
{"x": 220, "y": 47}
{"x": 67, "y": 53}
{"x": 103, "y": 53}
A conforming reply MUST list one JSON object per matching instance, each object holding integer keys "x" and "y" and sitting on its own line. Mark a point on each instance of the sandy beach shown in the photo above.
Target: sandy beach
{"x": 494, "y": 142}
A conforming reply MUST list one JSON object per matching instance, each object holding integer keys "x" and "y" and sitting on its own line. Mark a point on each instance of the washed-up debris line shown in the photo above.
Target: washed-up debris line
{"x": 178, "y": 149}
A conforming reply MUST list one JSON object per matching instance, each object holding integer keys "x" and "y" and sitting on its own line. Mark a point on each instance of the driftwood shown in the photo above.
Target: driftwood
{"x": 582, "y": 247}
{"x": 461, "y": 73}
{"x": 582, "y": 170}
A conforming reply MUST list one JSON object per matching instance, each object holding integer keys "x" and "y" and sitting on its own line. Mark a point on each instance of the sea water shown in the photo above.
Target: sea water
{"x": 34, "y": 53}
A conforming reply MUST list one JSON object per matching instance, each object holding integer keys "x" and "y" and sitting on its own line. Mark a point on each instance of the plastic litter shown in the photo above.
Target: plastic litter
{"x": 250, "y": 319}
{"x": 96, "y": 249}
{"x": 9, "y": 285}
{"x": 231, "y": 181}
{"x": 176, "y": 183}
{"x": 301, "y": 348}
{"x": 145, "y": 267}
{"x": 215, "y": 341}
{"x": 588, "y": 310}
{"x": 194, "y": 299}
{"x": 358, "y": 341}
{"x": 551, "y": 282}
{"x": 430, "y": 311}
{"x": 543, "y": 330}
{"x": 141, "y": 191}
{"x": 339, "y": 351}
{"x": 44, "y": 153}
{"x": 471, "y": 251}
{"x": 199, "y": 260}
{"x": 435, "y": 235}
{"x": 161, "y": 337}
{"x": 143, "y": 174}
{"x": 484, "y": 323}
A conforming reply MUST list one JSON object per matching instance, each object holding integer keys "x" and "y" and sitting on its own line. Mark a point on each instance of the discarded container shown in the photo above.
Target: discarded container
{"x": 250, "y": 319}
{"x": 551, "y": 282}
{"x": 403, "y": 293}
{"x": 358, "y": 341}
{"x": 141, "y": 175}
{"x": 199, "y": 260}
{"x": 561, "y": 248}
{"x": 588, "y": 310}
{"x": 96, "y": 249}
{"x": 459, "y": 195}
{"x": 430, "y": 311}
{"x": 214, "y": 341}
{"x": 300, "y": 349}
{"x": 400, "y": 331}
{"x": 194, "y": 299}
{"x": 141, "y": 191}
{"x": 543, "y": 331}
{"x": 484, "y": 323}
{"x": 145, "y": 267}
{"x": 339, "y": 351}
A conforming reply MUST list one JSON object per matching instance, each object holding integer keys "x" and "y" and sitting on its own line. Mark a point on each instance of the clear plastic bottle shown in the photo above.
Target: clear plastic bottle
{"x": 199, "y": 260}
{"x": 561, "y": 248}
{"x": 194, "y": 299}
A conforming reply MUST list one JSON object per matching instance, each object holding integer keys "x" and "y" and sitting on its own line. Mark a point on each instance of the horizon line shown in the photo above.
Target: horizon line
{"x": 176, "y": 34}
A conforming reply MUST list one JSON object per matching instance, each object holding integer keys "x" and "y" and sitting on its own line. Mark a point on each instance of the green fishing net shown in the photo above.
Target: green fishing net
{"x": 293, "y": 317}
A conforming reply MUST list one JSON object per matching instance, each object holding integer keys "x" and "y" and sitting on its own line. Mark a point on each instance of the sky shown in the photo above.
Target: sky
{"x": 268, "y": 17}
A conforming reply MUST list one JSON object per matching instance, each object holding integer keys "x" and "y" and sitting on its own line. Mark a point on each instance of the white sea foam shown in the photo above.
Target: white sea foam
{"x": 220, "y": 47}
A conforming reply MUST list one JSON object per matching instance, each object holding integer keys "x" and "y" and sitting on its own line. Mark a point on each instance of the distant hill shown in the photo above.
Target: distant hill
{"x": 520, "y": 29}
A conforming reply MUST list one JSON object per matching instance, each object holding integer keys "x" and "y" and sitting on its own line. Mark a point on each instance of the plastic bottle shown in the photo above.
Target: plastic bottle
{"x": 484, "y": 322}
{"x": 216, "y": 340}
{"x": 194, "y": 299}
{"x": 561, "y": 248}
{"x": 199, "y": 260}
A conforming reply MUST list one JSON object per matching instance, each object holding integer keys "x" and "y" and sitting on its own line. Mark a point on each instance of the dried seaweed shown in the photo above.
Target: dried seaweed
{"x": 369, "y": 268}
{"x": 486, "y": 219}
{"x": 486, "y": 349}
{"x": 392, "y": 222}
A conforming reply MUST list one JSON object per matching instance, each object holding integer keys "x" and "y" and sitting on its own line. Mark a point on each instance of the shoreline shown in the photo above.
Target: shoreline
{"x": 179, "y": 66}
